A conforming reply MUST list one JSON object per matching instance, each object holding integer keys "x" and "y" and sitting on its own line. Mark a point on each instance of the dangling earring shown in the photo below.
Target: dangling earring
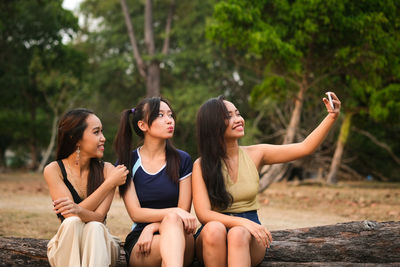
{"x": 78, "y": 151}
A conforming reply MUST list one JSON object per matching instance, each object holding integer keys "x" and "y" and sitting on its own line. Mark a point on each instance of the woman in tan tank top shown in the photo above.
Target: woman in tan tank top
{"x": 225, "y": 183}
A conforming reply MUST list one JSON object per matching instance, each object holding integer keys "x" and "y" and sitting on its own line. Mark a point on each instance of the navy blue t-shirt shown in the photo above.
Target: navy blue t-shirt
{"x": 156, "y": 190}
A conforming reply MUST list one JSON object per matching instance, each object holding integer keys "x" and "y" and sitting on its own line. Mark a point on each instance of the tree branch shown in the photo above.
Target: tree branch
{"x": 132, "y": 39}
{"x": 148, "y": 28}
{"x": 165, "y": 48}
{"x": 378, "y": 143}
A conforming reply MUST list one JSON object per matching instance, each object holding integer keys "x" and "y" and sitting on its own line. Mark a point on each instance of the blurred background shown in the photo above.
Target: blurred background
{"x": 274, "y": 59}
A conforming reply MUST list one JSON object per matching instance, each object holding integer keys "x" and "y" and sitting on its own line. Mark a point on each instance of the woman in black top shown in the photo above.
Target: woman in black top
{"x": 82, "y": 188}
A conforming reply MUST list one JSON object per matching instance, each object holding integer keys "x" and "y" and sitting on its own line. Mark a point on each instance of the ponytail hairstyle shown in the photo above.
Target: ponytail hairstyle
{"x": 212, "y": 121}
{"x": 70, "y": 132}
{"x": 147, "y": 110}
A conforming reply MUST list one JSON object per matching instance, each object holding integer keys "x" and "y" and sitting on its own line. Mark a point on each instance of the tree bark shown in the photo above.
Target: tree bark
{"x": 165, "y": 48}
{"x": 276, "y": 172}
{"x": 132, "y": 39}
{"x": 153, "y": 79}
{"x": 363, "y": 243}
{"x": 149, "y": 71}
{"x": 337, "y": 156}
{"x": 295, "y": 118}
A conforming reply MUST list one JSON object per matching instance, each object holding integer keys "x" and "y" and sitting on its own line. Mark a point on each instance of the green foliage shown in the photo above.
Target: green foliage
{"x": 350, "y": 47}
{"x": 31, "y": 47}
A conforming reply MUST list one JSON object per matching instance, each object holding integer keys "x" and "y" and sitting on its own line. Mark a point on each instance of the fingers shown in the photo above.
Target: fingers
{"x": 335, "y": 102}
{"x": 261, "y": 234}
{"x": 119, "y": 175}
{"x": 144, "y": 247}
{"x": 65, "y": 206}
{"x": 189, "y": 223}
{"x": 61, "y": 204}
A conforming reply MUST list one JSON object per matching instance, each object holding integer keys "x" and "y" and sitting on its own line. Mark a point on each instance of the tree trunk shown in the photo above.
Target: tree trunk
{"x": 277, "y": 172}
{"x": 363, "y": 243}
{"x": 153, "y": 79}
{"x": 136, "y": 54}
{"x": 151, "y": 71}
{"x": 51, "y": 144}
{"x": 337, "y": 156}
{"x": 295, "y": 119}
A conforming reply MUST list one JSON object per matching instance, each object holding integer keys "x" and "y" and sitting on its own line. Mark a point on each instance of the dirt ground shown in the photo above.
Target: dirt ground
{"x": 26, "y": 210}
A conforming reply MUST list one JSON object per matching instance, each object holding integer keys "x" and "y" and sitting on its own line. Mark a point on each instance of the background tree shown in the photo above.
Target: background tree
{"x": 27, "y": 28}
{"x": 191, "y": 72}
{"x": 305, "y": 48}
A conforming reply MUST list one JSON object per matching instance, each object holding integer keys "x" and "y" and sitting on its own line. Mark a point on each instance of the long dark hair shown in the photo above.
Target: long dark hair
{"x": 147, "y": 110}
{"x": 211, "y": 124}
{"x": 70, "y": 131}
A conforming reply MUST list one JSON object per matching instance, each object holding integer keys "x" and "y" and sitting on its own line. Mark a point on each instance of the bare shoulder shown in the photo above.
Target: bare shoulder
{"x": 196, "y": 164}
{"x": 51, "y": 171}
{"x": 107, "y": 168}
{"x": 197, "y": 161}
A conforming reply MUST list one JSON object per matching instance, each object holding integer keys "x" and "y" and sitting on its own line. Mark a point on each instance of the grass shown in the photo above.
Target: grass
{"x": 26, "y": 210}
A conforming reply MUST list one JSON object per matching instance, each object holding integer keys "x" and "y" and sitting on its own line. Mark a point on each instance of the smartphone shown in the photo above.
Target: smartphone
{"x": 330, "y": 100}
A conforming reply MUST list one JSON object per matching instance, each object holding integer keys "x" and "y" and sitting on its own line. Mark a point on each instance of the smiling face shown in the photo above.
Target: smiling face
{"x": 163, "y": 126}
{"x": 235, "y": 128}
{"x": 92, "y": 142}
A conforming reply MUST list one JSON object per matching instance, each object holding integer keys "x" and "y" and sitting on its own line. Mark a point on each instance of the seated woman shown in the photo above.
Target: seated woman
{"x": 226, "y": 182}
{"x": 82, "y": 188}
{"x": 157, "y": 193}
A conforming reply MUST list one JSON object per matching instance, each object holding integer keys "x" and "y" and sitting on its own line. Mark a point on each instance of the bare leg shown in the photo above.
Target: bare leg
{"x": 211, "y": 245}
{"x": 243, "y": 248}
{"x": 257, "y": 252}
{"x": 189, "y": 249}
{"x": 150, "y": 260}
{"x": 172, "y": 241}
{"x": 239, "y": 247}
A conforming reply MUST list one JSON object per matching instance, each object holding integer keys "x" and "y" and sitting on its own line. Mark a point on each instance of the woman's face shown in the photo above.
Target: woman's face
{"x": 92, "y": 142}
{"x": 164, "y": 125}
{"x": 235, "y": 128}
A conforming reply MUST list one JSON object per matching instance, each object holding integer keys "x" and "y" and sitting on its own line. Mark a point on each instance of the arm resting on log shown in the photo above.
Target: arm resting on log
{"x": 364, "y": 243}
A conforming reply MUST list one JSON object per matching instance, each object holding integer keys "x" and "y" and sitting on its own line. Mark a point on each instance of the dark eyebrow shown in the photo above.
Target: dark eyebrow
{"x": 96, "y": 128}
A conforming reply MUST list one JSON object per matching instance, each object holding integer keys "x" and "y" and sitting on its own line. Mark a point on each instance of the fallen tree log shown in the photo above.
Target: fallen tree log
{"x": 364, "y": 243}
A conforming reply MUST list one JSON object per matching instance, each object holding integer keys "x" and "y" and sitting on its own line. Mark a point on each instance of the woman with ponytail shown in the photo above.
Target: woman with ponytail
{"x": 82, "y": 188}
{"x": 226, "y": 180}
{"x": 157, "y": 192}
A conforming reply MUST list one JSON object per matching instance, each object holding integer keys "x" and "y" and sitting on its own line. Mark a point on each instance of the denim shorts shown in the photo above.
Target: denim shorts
{"x": 251, "y": 215}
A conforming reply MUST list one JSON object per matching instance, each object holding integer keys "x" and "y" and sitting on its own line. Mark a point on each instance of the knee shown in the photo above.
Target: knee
{"x": 94, "y": 227}
{"x": 239, "y": 236}
{"x": 172, "y": 219}
{"x": 71, "y": 221}
{"x": 214, "y": 234}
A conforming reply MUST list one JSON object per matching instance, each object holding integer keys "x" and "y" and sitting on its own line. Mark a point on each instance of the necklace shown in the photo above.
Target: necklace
{"x": 76, "y": 182}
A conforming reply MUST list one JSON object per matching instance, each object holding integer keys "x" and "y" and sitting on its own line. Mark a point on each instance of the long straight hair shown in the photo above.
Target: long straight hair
{"x": 147, "y": 110}
{"x": 212, "y": 121}
{"x": 70, "y": 132}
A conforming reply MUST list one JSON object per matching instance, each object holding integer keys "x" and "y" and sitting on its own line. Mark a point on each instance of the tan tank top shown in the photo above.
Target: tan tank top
{"x": 244, "y": 190}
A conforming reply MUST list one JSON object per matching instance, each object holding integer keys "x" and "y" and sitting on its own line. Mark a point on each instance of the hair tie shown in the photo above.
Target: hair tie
{"x": 133, "y": 110}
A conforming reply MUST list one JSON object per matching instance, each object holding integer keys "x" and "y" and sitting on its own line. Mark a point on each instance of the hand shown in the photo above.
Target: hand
{"x": 189, "y": 220}
{"x": 117, "y": 176}
{"x": 143, "y": 245}
{"x": 336, "y": 103}
{"x": 260, "y": 233}
{"x": 66, "y": 206}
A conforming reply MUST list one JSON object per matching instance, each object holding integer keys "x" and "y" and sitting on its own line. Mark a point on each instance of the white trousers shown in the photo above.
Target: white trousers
{"x": 82, "y": 244}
